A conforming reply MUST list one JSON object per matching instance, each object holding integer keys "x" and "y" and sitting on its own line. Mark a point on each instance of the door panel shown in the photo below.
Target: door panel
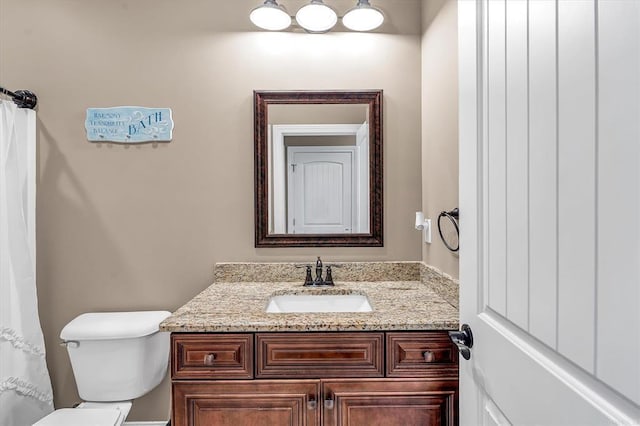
{"x": 549, "y": 158}
{"x": 618, "y": 270}
{"x": 322, "y": 191}
{"x": 543, "y": 259}
{"x": 321, "y": 188}
{"x": 247, "y": 403}
{"x": 386, "y": 403}
{"x": 576, "y": 180}
{"x": 517, "y": 268}
{"x": 492, "y": 415}
{"x": 496, "y": 153}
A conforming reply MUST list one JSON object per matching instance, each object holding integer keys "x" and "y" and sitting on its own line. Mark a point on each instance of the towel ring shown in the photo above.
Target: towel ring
{"x": 452, "y": 216}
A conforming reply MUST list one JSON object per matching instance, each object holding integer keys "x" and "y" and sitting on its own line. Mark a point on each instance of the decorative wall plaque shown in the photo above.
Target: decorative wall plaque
{"x": 129, "y": 124}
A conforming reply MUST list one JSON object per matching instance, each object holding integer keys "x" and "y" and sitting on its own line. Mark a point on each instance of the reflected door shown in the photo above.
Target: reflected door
{"x": 321, "y": 190}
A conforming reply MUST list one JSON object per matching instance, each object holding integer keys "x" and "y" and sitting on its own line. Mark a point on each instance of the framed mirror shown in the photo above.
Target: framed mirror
{"x": 318, "y": 177}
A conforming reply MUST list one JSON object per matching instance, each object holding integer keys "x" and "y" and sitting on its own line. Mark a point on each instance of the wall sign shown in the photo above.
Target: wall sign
{"x": 129, "y": 124}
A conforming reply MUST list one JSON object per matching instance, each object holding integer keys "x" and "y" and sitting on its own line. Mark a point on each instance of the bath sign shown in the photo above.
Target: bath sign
{"x": 129, "y": 124}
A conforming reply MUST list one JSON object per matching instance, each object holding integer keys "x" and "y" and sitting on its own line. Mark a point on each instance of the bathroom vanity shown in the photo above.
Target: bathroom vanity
{"x": 233, "y": 363}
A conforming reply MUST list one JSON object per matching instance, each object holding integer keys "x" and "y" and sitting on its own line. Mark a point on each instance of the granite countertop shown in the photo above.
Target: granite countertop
{"x": 240, "y": 307}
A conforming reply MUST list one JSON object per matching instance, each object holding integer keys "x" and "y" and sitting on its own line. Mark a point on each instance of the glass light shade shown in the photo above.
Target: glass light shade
{"x": 316, "y": 17}
{"x": 270, "y": 16}
{"x": 363, "y": 17}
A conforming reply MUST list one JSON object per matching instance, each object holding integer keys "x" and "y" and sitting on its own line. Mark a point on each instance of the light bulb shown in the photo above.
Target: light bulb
{"x": 270, "y": 16}
{"x": 363, "y": 17}
{"x": 316, "y": 17}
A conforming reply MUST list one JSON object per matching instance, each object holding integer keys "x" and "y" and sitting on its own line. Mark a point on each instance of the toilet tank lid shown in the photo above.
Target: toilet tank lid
{"x": 113, "y": 325}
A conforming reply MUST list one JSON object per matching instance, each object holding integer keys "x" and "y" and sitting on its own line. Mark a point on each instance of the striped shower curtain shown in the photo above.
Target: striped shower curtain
{"x": 25, "y": 387}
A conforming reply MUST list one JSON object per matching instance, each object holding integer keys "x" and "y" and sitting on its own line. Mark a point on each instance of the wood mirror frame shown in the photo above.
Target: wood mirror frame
{"x": 371, "y": 98}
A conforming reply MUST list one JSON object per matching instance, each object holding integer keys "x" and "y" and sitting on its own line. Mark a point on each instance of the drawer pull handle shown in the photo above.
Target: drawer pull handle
{"x": 209, "y": 359}
{"x": 312, "y": 403}
{"x": 328, "y": 402}
{"x": 428, "y": 356}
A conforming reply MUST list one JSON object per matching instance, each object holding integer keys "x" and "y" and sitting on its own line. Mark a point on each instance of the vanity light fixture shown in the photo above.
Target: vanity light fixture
{"x": 363, "y": 17}
{"x": 270, "y": 16}
{"x": 316, "y": 17}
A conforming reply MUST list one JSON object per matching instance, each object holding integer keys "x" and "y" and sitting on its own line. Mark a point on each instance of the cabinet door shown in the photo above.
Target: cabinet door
{"x": 246, "y": 403}
{"x": 398, "y": 402}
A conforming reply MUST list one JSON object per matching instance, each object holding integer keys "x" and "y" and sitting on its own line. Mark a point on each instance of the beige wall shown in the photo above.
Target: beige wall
{"x": 439, "y": 123}
{"x": 140, "y": 227}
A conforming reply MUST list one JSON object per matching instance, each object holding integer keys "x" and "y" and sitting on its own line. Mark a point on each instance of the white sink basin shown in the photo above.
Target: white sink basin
{"x": 319, "y": 303}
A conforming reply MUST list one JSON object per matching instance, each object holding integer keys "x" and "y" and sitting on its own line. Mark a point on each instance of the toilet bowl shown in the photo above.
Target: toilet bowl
{"x": 116, "y": 357}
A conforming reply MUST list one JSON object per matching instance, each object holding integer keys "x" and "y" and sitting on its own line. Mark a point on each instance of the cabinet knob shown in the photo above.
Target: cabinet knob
{"x": 328, "y": 401}
{"x": 209, "y": 359}
{"x": 312, "y": 403}
{"x": 428, "y": 356}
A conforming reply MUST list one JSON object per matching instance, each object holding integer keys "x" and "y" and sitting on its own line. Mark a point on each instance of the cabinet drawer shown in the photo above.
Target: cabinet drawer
{"x": 311, "y": 355}
{"x": 425, "y": 354}
{"x": 207, "y": 356}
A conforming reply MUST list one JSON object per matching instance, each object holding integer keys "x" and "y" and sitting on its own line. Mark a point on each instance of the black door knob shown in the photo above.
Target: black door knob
{"x": 463, "y": 339}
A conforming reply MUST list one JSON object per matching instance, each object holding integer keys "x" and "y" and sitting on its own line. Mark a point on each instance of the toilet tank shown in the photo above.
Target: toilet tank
{"x": 117, "y": 356}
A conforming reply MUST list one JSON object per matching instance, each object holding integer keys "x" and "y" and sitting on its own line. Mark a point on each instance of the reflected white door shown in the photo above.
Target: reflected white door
{"x": 549, "y": 211}
{"x": 320, "y": 189}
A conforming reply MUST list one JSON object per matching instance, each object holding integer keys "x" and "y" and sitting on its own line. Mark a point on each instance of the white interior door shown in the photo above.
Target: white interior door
{"x": 321, "y": 189}
{"x": 549, "y": 211}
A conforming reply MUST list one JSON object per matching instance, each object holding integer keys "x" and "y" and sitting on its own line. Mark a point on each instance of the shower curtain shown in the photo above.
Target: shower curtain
{"x": 25, "y": 387}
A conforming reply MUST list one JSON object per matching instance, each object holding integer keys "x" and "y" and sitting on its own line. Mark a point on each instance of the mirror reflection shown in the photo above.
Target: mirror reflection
{"x": 319, "y": 169}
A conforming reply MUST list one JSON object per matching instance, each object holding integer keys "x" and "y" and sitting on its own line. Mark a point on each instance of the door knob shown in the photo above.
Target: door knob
{"x": 463, "y": 339}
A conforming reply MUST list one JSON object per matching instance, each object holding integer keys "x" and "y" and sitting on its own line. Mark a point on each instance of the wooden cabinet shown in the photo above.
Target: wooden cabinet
{"x": 341, "y": 378}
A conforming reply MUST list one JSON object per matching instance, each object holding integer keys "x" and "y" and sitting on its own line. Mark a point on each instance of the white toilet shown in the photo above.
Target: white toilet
{"x": 116, "y": 357}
